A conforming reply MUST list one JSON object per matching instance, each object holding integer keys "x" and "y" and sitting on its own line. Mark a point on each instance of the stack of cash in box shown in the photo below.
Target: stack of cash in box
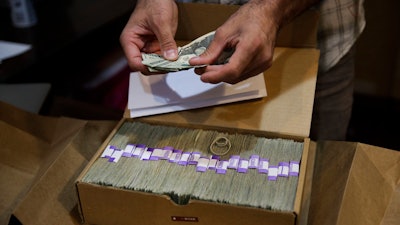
{"x": 210, "y": 165}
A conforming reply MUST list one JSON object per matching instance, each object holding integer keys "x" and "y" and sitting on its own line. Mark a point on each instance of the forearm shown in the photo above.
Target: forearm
{"x": 282, "y": 11}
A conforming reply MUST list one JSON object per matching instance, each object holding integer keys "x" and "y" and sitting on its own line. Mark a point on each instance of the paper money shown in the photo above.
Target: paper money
{"x": 156, "y": 63}
{"x": 183, "y": 182}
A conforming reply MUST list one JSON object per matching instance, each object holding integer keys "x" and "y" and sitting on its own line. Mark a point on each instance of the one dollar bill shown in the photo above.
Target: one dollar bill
{"x": 156, "y": 63}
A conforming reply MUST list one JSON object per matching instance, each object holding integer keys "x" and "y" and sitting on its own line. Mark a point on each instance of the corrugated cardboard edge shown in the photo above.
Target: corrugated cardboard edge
{"x": 52, "y": 200}
{"x": 159, "y": 209}
{"x": 55, "y": 133}
{"x": 90, "y": 163}
{"x": 301, "y": 203}
{"x": 371, "y": 193}
{"x": 331, "y": 168}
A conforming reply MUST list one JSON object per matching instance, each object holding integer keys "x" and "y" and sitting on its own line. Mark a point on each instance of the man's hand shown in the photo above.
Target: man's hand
{"x": 151, "y": 29}
{"x": 252, "y": 32}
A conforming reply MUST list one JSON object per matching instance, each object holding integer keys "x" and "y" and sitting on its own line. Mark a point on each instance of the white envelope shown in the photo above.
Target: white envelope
{"x": 157, "y": 94}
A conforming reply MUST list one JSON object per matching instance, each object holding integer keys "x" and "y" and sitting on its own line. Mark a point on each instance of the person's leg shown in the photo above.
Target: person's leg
{"x": 333, "y": 101}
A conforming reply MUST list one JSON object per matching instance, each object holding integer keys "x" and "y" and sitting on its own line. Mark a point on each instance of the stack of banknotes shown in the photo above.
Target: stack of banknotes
{"x": 210, "y": 165}
{"x": 156, "y": 63}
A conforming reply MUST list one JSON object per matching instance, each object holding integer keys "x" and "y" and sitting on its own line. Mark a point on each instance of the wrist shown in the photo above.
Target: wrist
{"x": 281, "y": 12}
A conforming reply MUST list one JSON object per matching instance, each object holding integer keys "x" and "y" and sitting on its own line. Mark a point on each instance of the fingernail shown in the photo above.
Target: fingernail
{"x": 171, "y": 54}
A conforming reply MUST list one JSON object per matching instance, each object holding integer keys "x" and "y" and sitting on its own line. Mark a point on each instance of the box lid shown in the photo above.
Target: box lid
{"x": 355, "y": 183}
{"x": 290, "y": 81}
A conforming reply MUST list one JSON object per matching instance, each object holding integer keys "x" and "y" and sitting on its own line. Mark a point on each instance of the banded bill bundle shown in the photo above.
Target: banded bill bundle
{"x": 210, "y": 165}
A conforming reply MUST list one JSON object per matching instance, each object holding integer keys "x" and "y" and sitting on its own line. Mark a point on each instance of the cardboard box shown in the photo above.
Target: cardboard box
{"x": 286, "y": 112}
{"x": 353, "y": 183}
{"x": 109, "y": 205}
{"x": 41, "y": 159}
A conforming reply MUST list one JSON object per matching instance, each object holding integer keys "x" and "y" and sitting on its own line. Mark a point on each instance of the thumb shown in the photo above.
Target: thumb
{"x": 168, "y": 46}
{"x": 210, "y": 55}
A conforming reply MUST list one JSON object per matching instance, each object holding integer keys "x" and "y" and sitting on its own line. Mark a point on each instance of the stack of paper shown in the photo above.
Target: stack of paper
{"x": 183, "y": 90}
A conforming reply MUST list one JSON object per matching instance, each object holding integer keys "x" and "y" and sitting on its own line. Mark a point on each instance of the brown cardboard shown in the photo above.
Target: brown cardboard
{"x": 355, "y": 184}
{"x": 107, "y": 205}
{"x": 41, "y": 159}
{"x": 331, "y": 202}
{"x": 285, "y": 112}
{"x": 290, "y": 82}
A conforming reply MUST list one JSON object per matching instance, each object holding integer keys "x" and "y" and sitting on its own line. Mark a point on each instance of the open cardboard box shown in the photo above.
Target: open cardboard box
{"x": 286, "y": 112}
{"x": 42, "y": 157}
{"x": 353, "y": 183}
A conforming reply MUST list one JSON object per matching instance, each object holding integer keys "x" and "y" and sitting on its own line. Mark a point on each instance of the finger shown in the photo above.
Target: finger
{"x": 152, "y": 47}
{"x": 165, "y": 31}
{"x": 230, "y": 72}
{"x": 211, "y": 54}
{"x": 133, "y": 54}
{"x": 218, "y": 73}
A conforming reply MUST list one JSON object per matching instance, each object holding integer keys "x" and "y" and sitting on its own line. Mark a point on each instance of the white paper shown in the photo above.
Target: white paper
{"x": 156, "y": 94}
{"x": 11, "y": 49}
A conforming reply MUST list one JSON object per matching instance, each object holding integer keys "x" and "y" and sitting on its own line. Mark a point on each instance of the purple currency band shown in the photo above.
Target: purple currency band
{"x": 108, "y": 151}
{"x": 175, "y": 156}
{"x": 294, "y": 168}
{"x": 243, "y": 166}
{"x": 202, "y": 164}
{"x": 222, "y": 166}
{"x": 273, "y": 173}
{"x": 233, "y": 162}
{"x": 183, "y": 161}
{"x": 137, "y": 153}
{"x": 283, "y": 169}
{"x": 213, "y": 162}
{"x": 128, "y": 150}
{"x": 194, "y": 158}
{"x": 147, "y": 154}
{"x": 254, "y": 161}
{"x": 263, "y": 165}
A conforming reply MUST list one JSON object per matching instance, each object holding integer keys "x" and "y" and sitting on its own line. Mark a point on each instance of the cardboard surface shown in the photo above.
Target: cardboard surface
{"x": 287, "y": 109}
{"x": 108, "y": 205}
{"x": 285, "y": 112}
{"x": 143, "y": 208}
{"x": 41, "y": 159}
{"x": 355, "y": 184}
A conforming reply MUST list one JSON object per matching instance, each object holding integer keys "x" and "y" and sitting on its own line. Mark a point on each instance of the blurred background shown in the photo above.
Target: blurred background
{"x": 76, "y": 60}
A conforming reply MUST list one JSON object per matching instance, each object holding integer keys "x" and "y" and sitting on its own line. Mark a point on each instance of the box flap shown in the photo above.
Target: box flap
{"x": 372, "y": 194}
{"x": 302, "y": 203}
{"x": 286, "y": 110}
{"x": 39, "y": 188}
{"x": 332, "y": 166}
{"x": 355, "y": 184}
